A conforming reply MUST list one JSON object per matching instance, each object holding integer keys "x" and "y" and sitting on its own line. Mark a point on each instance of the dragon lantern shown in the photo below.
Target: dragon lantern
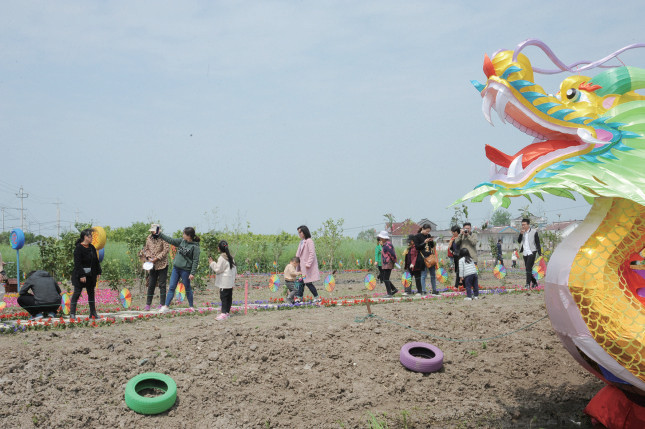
{"x": 588, "y": 138}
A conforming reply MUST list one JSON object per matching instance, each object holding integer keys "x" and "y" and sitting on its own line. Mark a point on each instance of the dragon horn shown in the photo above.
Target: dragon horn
{"x": 489, "y": 70}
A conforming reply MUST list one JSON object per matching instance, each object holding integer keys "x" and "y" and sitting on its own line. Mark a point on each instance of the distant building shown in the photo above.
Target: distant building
{"x": 563, "y": 228}
{"x": 540, "y": 221}
{"x": 401, "y": 230}
{"x": 507, "y": 234}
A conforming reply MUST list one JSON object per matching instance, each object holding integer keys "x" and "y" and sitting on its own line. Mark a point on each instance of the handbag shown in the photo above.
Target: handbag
{"x": 430, "y": 260}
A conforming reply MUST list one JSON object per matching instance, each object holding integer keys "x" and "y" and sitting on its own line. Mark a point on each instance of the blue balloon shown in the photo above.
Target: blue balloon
{"x": 17, "y": 238}
{"x": 101, "y": 254}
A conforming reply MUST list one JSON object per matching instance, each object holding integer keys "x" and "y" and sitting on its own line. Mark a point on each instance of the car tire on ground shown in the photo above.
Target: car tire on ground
{"x": 421, "y": 357}
{"x": 150, "y": 405}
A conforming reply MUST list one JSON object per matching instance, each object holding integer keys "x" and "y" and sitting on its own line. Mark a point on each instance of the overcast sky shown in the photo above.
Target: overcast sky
{"x": 276, "y": 113}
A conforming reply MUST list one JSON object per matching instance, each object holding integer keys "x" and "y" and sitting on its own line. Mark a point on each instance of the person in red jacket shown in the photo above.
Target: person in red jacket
{"x": 414, "y": 264}
{"x": 388, "y": 256}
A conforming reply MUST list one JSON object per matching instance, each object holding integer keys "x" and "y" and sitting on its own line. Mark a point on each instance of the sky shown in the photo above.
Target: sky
{"x": 273, "y": 114}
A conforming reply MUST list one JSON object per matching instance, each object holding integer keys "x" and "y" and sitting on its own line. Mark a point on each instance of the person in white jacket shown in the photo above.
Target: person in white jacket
{"x": 225, "y": 272}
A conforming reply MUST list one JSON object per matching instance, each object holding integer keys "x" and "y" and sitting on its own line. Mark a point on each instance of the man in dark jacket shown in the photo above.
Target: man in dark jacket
{"x": 45, "y": 296}
{"x": 499, "y": 252}
{"x": 530, "y": 248}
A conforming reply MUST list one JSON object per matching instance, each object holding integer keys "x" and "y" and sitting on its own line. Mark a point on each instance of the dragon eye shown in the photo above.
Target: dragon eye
{"x": 573, "y": 94}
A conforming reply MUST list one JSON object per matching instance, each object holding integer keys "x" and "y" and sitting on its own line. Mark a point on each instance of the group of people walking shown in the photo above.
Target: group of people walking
{"x": 41, "y": 295}
{"x": 420, "y": 260}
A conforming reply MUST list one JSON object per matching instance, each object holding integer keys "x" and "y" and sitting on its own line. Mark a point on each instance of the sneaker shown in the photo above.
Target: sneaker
{"x": 37, "y": 316}
{"x": 406, "y": 294}
{"x": 417, "y": 294}
{"x": 475, "y": 297}
{"x": 147, "y": 308}
{"x": 51, "y": 315}
{"x": 468, "y": 299}
{"x": 164, "y": 309}
{"x": 435, "y": 293}
{"x": 222, "y": 316}
{"x": 395, "y": 292}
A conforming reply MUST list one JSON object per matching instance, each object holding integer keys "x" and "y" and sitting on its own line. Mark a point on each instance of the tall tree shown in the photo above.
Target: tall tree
{"x": 501, "y": 217}
{"x": 367, "y": 235}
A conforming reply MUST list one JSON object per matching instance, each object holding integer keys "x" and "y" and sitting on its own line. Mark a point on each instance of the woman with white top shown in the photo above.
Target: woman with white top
{"x": 225, "y": 272}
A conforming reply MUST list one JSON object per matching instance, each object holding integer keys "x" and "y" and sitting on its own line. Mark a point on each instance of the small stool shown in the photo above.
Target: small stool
{"x": 11, "y": 286}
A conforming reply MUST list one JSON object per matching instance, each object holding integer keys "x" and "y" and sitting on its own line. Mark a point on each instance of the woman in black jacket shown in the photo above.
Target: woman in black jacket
{"x": 87, "y": 271}
{"x": 425, "y": 245}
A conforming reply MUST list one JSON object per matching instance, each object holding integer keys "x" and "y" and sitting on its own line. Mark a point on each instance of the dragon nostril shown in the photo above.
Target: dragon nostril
{"x": 489, "y": 70}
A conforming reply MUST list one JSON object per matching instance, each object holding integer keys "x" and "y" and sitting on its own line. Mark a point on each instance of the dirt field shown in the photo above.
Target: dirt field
{"x": 306, "y": 368}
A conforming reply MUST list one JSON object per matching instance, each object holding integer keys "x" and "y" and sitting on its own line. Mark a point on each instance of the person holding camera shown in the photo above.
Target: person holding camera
{"x": 156, "y": 251}
{"x": 467, "y": 240}
{"x": 184, "y": 266}
{"x": 530, "y": 247}
{"x": 425, "y": 245}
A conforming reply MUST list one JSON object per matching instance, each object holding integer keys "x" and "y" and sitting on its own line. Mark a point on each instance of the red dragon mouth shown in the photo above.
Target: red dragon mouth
{"x": 529, "y": 153}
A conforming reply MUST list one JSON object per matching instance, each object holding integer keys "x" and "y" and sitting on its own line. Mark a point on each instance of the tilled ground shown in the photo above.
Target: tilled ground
{"x": 320, "y": 367}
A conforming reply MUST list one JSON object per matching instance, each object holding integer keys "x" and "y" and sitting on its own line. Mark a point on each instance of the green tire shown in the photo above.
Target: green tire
{"x": 157, "y": 404}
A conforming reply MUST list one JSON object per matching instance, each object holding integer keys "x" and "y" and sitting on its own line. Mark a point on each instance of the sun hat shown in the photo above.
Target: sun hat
{"x": 154, "y": 227}
{"x": 384, "y": 235}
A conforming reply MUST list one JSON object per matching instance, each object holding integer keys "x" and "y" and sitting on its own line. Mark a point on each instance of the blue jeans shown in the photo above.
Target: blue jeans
{"x": 174, "y": 279}
{"x": 433, "y": 279}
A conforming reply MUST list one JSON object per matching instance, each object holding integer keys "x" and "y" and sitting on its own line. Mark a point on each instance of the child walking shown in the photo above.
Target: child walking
{"x": 291, "y": 276}
{"x": 225, "y": 272}
{"x": 468, "y": 272}
{"x": 184, "y": 266}
{"x": 514, "y": 257}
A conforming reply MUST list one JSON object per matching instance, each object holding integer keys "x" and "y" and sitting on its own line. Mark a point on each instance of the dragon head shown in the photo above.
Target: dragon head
{"x": 587, "y": 137}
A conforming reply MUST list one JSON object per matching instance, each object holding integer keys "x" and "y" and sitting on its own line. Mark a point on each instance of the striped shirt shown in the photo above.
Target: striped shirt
{"x": 466, "y": 269}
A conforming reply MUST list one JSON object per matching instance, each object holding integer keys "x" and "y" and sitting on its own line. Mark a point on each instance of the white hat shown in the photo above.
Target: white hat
{"x": 384, "y": 235}
{"x": 154, "y": 227}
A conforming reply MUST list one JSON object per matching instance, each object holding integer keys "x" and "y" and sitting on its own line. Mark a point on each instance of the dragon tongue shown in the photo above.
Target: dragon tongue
{"x": 529, "y": 153}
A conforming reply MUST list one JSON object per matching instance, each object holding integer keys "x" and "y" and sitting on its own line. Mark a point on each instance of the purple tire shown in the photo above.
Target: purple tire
{"x": 421, "y": 357}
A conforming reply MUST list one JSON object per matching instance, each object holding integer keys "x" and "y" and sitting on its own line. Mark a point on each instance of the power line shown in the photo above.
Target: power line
{"x": 22, "y": 197}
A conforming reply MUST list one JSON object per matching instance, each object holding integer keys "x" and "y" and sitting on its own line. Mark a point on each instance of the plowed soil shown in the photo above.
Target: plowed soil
{"x": 325, "y": 367}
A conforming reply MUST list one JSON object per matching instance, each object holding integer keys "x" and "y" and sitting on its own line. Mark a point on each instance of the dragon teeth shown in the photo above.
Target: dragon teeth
{"x": 515, "y": 169}
{"x": 487, "y": 103}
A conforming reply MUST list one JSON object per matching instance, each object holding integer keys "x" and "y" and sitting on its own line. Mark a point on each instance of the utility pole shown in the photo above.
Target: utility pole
{"x": 77, "y": 211}
{"x": 58, "y": 203}
{"x": 22, "y": 197}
